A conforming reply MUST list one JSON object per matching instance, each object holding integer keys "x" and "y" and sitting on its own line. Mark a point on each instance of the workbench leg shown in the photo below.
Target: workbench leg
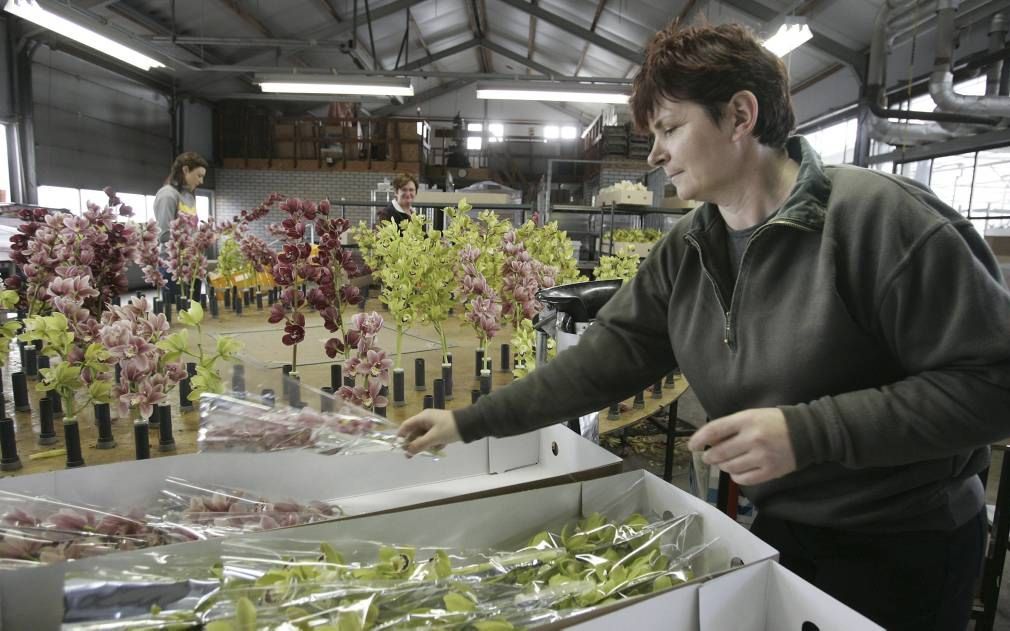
{"x": 671, "y": 438}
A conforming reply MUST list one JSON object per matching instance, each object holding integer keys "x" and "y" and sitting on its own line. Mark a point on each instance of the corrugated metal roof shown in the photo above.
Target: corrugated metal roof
{"x": 245, "y": 33}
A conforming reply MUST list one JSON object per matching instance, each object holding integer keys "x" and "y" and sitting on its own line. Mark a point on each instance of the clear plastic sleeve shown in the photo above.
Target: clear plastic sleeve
{"x": 232, "y": 424}
{"x": 36, "y": 530}
{"x": 268, "y": 583}
{"x": 210, "y": 511}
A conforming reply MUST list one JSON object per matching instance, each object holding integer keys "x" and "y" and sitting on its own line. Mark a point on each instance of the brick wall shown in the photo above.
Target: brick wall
{"x": 239, "y": 189}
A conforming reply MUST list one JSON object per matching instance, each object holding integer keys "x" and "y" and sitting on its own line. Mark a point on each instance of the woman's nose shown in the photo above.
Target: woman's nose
{"x": 657, "y": 157}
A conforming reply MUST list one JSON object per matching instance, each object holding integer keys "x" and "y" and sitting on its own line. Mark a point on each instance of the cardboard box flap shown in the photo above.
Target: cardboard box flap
{"x": 768, "y": 597}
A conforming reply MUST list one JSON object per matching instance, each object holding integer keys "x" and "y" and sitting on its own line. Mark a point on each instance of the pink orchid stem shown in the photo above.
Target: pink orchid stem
{"x": 295, "y": 307}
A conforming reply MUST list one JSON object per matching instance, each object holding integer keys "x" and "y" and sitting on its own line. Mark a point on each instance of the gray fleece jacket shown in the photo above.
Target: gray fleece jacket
{"x": 872, "y": 314}
{"x": 168, "y": 203}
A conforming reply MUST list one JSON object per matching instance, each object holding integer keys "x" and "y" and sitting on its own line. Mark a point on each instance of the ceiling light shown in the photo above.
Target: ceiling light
{"x": 31, "y": 11}
{"x": 331, "y": 84}
{"x": 541, "y": 91}
{"x": 791, "y": 35}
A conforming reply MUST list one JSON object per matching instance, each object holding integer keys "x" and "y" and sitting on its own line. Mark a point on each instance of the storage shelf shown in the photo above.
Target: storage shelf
{"x": 621, "y": 209}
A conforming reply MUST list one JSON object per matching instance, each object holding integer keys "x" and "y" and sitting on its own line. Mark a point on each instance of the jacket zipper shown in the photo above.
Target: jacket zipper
{"x": 715, "y": 285}
{"x": 727, "y": 337}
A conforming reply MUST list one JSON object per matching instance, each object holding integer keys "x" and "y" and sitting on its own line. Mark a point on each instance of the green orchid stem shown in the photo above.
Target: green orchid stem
{"x": 399, "y": 345}
{"x": 199, "y": 343}
{"x": 441, "y": 336}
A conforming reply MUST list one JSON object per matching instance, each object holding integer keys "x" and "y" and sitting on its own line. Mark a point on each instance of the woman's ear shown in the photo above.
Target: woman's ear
{"x": 743, "y": 113}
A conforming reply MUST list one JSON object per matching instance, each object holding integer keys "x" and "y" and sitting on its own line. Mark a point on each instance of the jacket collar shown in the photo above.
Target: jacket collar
{"x": 806, "y": 204}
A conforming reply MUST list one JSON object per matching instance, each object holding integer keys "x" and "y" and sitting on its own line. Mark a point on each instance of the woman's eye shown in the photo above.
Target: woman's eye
{"x": 669, "y": 130}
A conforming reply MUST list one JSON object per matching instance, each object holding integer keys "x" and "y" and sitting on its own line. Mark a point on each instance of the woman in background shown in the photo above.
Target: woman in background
{"x": 177, "y": 197}
{"x": 401, "y": 206}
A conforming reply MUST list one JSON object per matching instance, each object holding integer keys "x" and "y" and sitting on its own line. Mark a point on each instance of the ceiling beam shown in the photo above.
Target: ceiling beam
{"x": 154, "y": 26}
{"x": 152, "y": 80}
{"x": 317, "y": 37}
{"x": 442, "y": 54}
{"x": 420, "y": 37}
{"x": 516, "y": 57}
{"x": 236, "y": 7}
{"x": 830, "y": 47}
{"x": 816, "y": 78}
{"x": 686, "y": 12}
{"x": 480, "y": 8}
{"x": 218, "y": 71}
{"x": 635, "y": 56}
{"x": 427, "y": 95}
{"x": 531, "y": 38}
{"x": 472, "y": 18}
{"x": 592, "y": 27}
{"x": 357, "y": 54}
{"x": 579, "y": 115}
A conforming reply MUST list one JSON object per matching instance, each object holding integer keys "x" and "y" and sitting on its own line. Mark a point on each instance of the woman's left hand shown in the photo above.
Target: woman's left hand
{"x": 753, "y": 446}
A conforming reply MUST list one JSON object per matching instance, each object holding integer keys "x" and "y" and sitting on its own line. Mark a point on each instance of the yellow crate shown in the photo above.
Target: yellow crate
{"x": 218, "y": 281}
{"x": 265, "y": 280}
{"x": 245, "y": 280}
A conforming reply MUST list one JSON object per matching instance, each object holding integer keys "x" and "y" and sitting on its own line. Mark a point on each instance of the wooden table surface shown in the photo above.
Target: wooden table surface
{"x": 459, "y": 335}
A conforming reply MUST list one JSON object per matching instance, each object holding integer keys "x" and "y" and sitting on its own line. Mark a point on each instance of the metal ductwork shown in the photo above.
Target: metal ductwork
{"x": 997, "y": 35}
{"x": 941, "y": 83}
{"x": 881, "y": 128}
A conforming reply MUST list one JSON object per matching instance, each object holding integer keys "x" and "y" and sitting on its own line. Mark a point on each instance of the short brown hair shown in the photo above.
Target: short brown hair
{"x": 402, "y": 179}
{"x": 707, "y": 65}
{"x": 190, "y": 159}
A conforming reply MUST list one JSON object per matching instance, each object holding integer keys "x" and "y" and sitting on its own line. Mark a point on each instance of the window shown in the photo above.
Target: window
{"x": 202, "y": 207}
{"x": 60, "y": 197}
{"x": 74, "y": 200}
{"x": 918, "y": 171}
{"x": 568, "y": 132}
{"x": 495, "y": 132}
{"x": 139, "y": 205}
{"x": 5, "y": 176}
{"x": 95, "y": 197}
{"x": 551, "y": 132}
{"x": 835, "y": 144}
{"x": 473, "y": 143}
{"x": 951, "y": 180}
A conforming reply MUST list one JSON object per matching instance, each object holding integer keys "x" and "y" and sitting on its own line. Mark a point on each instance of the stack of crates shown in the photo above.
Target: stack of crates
{"x": 615, "y": 141}
{"x": 639, "y": 145}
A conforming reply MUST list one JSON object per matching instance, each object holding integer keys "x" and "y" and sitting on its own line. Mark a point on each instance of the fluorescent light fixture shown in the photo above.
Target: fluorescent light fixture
{"x": 31, "y": 11}
{"x": 332, "y": 84}
{"x": 543, "y": 91}
{"x": 791, "y": 35}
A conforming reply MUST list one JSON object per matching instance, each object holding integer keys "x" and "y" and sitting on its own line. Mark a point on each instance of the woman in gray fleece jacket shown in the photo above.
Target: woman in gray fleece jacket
{"x": 848, "y": 332}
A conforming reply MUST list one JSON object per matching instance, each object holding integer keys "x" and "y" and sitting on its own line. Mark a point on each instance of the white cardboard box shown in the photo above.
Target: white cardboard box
{"x": 474, "y": 198}
{"x": 637, "y": 198}
{"x": 640, "y": 249}
{"x": 760, "y": 597}
{"x": 353, "y": 481}
{"x": 768, "y": 597}
{"x": 31, "y": 598}
{"x": 362, "y": 484}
